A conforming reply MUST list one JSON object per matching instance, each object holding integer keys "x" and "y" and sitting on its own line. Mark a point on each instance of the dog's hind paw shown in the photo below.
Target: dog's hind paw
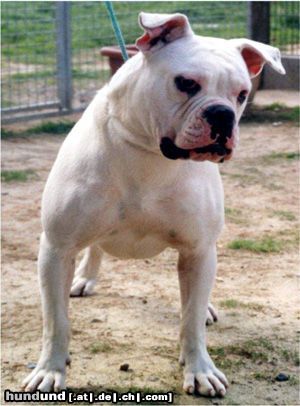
{"x": 212, "y": 315}
{"x": 82, "y": 286}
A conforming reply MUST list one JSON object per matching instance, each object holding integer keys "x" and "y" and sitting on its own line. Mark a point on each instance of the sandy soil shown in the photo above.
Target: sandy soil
{"x": 134, "y": 315}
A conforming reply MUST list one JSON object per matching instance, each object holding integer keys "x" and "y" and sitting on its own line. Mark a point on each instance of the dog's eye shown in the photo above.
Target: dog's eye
{"x": 242, "y": 96}
{"x": 188, "y": 86}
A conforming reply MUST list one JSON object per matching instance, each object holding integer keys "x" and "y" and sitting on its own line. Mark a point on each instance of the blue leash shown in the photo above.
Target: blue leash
{"x": 117, "y": 29}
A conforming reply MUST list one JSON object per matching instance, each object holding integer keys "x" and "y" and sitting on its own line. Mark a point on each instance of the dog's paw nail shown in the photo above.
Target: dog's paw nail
{"x": 211, "y": 392}
{"x": 222, "y": 392}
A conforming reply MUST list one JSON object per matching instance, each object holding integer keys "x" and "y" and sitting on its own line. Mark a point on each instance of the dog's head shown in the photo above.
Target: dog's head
{"x": 197, "y": 86}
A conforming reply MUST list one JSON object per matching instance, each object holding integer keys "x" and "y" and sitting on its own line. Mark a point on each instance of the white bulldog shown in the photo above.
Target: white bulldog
{"x": 138, "y": 173}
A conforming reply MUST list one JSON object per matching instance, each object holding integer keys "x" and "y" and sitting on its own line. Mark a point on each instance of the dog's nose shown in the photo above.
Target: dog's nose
{"x": 221, "y": 118}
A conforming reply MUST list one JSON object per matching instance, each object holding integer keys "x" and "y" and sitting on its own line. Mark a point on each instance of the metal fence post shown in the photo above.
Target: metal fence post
{"x": 259, "y": 21}
{"x": 64, "y": 57}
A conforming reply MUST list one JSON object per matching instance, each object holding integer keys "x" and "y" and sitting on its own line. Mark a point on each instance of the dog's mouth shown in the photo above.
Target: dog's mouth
{"x": 215, "y": 152}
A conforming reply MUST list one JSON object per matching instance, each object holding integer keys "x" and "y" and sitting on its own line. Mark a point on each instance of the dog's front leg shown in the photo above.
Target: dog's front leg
{"x": 196, "y": 276}
{"x": 56, "y": 269}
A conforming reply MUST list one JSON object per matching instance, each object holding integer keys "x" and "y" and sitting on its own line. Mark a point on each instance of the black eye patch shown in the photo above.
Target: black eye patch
{"x": 242, "y": 96}
{"x": 188, "y": 86}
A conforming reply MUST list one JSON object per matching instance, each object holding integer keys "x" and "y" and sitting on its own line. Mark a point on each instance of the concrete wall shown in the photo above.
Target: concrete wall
{"x": 290, "y": 81}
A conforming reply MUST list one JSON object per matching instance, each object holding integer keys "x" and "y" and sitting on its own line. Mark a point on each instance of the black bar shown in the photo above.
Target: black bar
{"x": 259, "y": 21}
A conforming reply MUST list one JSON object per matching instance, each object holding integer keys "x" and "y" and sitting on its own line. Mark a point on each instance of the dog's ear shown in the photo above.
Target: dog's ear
{"x": 256, "y": 54}
{"x": 161, "y": 29}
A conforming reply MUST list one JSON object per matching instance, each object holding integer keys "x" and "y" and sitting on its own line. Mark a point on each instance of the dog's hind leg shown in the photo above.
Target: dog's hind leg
{"x": 56, "y": 269}
{"x": 86, "y": 273}
{"x": 211, "y": 315}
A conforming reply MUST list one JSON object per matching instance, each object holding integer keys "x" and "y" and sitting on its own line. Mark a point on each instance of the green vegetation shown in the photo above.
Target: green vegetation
{"x": 234, "y": 215}
{"x": 263, "y": 376}
{"x": 235, "y": 304}
{"x": 275, "y": 107}
{"x": 164, "y": 351}
{"x": 50, "y": 75}
{"x": 285, "y": 215}
{"x": 100, "y": 75}
{"x": 23, "y": 76}
{"x": 29, "y": 40}
{"x": 233, "y": 355}
{"x": 108, "y": 346}
{"x": 289, "y": 237}
{"x": 263, "y": 351}
{"x": 294, "y": 380}
{"x": 256, "y": 350}
{"x": 48, "y": 127}
{"x": 91, "y": 27}
{"x": 220, "y": 356}
{"x": 5, "y": 133}
{"x": 292, "y": 356}
{"x": 271, "y": 114}
{"x": 265, "y": 245}
{"x": 260, "y": 376}
{"x": 230, "y": 303}
{"x": 290, "y": 156}
{"x": 95, "y": 348}
{"x": 17, "y": 175}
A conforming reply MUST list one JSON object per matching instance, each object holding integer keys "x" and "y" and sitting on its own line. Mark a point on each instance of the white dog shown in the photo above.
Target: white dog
{"x": 138, "y": 173}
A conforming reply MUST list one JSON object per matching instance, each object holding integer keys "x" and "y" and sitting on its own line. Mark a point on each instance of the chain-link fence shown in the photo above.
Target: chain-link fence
{"x": 51, "y": 60}
{"x": 28, "y": 32}
{"x": 284, "y": 26}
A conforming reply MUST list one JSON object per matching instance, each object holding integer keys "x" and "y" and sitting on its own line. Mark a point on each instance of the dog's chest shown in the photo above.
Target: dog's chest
{"x": 139, "y": 230}
{"x": 145, "y": 220}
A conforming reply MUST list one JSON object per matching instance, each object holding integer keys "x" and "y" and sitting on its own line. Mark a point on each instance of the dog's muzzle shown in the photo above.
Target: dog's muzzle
{"x": 171, "y": 151}
{"x": 221, "y": 120}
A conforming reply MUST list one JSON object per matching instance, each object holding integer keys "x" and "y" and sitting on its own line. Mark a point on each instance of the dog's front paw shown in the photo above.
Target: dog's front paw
{"x": 212, "y": 315}
{"x": 82, "y": 286}
{"x": 205, "y": 380}
{"x": 46, "y": 377}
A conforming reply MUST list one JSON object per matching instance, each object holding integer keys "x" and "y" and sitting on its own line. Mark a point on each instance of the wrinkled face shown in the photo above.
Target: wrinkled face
{"x": 201, "y": 91}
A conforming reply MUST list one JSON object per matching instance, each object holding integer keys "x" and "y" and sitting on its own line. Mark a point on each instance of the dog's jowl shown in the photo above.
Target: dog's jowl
{"x": 139, "y": 173}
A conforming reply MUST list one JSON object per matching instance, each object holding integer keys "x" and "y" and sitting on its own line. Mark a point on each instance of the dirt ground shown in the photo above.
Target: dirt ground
{"x": 135, "y": 313}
